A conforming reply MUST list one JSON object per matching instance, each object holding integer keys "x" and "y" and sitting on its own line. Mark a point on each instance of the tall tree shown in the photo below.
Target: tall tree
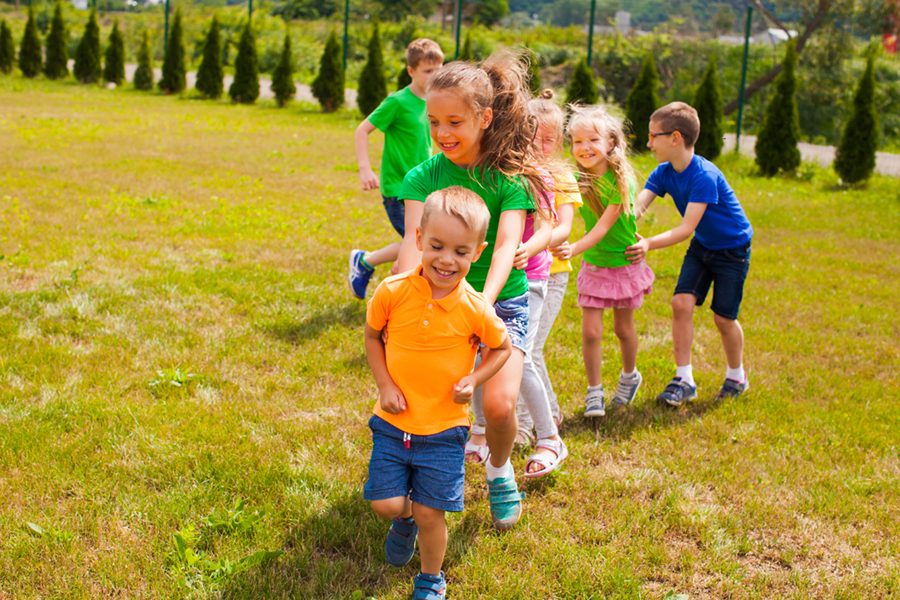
{"x": 776, "y": 145}
{"x": 489, "y": 12}
{"x": 143, "y": 75}
{"x": 173, "y": 71}
{"x": 283, "y": 77}
{"x": 30, "y": 59}
{"x": 210, "y": 78}
{"x": 641, "y": 102}
{"x": 56, "y": 65}
{"x": 372, "y": 85}
{"x": 328, "y": 86}
{"x": 465, "y": 53}
{"x": 245, "y": 87}
{"x": 583, "y": 88}
{"x": 855, "y": 157}
{"x": 7, "y": 48}
{"x": 87, "y": 55}
{"x": 403, "y": 78}
{"x": 114, "y": 65}
{"x": 708, "y": 103}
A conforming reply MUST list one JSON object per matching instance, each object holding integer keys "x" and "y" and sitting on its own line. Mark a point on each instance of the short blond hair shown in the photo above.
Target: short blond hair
{"x": 421, "y": 50}
{"x": 465, "y": 205}
{"x": 680, "y": 117}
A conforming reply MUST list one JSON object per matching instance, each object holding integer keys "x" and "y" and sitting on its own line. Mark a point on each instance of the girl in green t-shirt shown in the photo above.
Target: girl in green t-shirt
{"x": 607, "y": 278}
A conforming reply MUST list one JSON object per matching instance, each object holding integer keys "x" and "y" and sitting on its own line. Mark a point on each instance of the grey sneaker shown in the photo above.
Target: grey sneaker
{"x": 627, "y": 388}
{"x": 733, "y": 389}
{"x": 677, "y": 392}
{"x": 594, "y": 405}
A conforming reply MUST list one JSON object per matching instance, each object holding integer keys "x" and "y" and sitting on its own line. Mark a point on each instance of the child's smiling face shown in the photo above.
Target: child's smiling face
{"x": 455, "y": 127}
{"x": 449, "y": 247}
{"x": 591, "y": 148}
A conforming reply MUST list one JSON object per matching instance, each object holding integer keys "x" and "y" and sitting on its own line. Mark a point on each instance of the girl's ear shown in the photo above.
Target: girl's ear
{"x": 486, "y": 118}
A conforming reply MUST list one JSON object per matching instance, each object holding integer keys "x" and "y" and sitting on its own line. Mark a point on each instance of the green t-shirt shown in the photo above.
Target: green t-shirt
{"x": 610, "y": 252}
{"x": 407, "y": 140}
{"x": 500, "y": 193}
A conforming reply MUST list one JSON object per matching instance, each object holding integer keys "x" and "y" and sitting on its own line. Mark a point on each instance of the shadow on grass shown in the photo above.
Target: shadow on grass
{"x": 292, "y": 332}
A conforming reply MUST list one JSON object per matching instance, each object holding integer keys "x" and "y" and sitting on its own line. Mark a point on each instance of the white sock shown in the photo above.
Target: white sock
{"x": 686, "y": 372}
{"x": 736, "y": 374}
{"x": 594, "y": 388}
{"x": 629, "y": 375}
{"x": 494, "y": 472}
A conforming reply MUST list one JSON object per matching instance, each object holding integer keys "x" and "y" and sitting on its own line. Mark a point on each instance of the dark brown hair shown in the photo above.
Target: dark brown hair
{"x": 680, "y": 117}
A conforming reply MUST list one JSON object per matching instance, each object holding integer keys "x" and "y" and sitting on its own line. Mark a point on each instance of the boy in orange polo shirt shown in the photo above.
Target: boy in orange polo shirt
{"x": 425, "y": 381}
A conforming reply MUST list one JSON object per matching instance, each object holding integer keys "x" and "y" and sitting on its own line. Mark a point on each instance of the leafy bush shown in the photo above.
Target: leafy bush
{"x": 87, "y": 56}
{"x": 372, "y": 85}
{"x": 57, "y": 61}
{"x": 30, "y": 58}
{"x": 114, "y": 65}
{"x": 855, "y": 157}
{"x": 328, "y": 87}
{"x": 210, "y": 76}
{"x": 582, "y": 89}
{"x": 776, "y": 145}
{"x": 7, "y": 48}
{"x": 245, "y": 87}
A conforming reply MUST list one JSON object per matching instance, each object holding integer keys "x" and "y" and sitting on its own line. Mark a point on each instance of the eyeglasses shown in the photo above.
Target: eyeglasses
{"x": 653, "y": 136}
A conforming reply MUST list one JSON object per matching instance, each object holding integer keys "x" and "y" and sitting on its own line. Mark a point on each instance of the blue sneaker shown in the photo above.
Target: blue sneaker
{"x": 429, "y": 587}
{"x": 627, "y": 388}
{"x": 733, "y": 389}
{"x": 400, "y": 544}
{"x": 677, "y": 392}
{"x": 506, "y": 502}
{"x": 360, "y": 273}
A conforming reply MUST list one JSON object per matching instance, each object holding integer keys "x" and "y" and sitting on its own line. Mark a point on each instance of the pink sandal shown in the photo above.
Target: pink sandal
{"x": 549, "y": 462}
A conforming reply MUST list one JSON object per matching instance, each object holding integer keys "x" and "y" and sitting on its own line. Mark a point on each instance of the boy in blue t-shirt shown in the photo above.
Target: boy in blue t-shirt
{"x": 718, "y": 254}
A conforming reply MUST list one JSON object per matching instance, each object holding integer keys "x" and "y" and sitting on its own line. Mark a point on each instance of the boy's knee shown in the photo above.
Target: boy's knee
{"x": 683, "y": 304}
{"x": 724, "y": 323}
{"x": 426, "y": 516}
{"x": 499, "y": 408}
{"x": 389, "y": 508}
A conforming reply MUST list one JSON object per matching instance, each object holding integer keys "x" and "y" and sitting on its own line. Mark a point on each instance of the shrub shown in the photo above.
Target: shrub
{"x": 328, "y": 86}
{"x": 465, "y": 53}
{"x": 114, "y": 63}
{"x": 855, "y": 157}
{"x": 143, "y": 76}
{"x": 7, "y": 48}
{"x": 534, "y": 72}
{"x": 245, "y": 87}
{"x": 173, "y": 77}
{"x": 87, "y": 56}
{"x": 283, "y": 77}
{"x": 30, "y": 58}
{"x": 57, "y": 63}
{"x": 372, "y": 85}
{"x": 641, "y": 102}
{"x": 582, "y": 89}
{"x": 708, "y": 102}
{"x": 776, "y": 144}
{"x": 403, "y": 78}
{"x": 210, "y": 76}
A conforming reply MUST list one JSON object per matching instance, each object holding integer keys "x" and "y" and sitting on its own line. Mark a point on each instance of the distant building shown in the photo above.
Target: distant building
{"x": 622, "y": 25}
{"x": 80, "y": 4}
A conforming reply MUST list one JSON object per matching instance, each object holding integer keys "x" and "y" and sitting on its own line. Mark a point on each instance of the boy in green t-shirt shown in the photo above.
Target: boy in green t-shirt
{"x": 407, "y": 142}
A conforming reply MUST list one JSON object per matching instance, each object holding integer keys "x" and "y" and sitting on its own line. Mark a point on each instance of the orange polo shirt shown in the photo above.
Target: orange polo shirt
{"x": 428, "y": 349}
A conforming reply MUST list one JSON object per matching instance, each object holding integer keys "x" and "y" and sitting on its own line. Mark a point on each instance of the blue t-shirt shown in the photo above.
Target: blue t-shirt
{"x": 724, "y": 225}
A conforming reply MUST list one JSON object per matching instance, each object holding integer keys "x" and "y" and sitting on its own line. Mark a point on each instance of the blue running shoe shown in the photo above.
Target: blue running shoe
{"x": 360, "y": 274}
{"x": 677, "y": 392}
{"x": 429, "y": 587}
{"x": 400, "y": 544}
{"x": 733, "y": 389}
{"x": 506, "y": 502}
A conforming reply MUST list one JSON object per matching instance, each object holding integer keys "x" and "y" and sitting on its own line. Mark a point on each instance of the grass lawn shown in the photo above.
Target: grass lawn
{"x": 184, "y": 394}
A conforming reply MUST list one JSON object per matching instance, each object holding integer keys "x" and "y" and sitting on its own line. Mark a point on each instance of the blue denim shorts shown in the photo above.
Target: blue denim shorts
{"x": 431, "y": 470}
{"x": 396, "y": 212}
{"x": 514, "y": 314}
{"x": 727, "y": 268}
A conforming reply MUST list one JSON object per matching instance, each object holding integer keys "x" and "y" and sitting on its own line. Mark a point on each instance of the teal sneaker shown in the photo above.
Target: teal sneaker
{"x": 429, "y": 587}
{"x": 506, "y": 502}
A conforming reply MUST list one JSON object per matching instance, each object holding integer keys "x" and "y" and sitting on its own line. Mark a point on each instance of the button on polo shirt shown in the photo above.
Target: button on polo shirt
{"x": 428, "y": 349}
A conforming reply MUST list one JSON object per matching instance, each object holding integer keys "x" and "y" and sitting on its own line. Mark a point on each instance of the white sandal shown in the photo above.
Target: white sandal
{"x": 477, "y": 453}
{"x": 548, "y": 462}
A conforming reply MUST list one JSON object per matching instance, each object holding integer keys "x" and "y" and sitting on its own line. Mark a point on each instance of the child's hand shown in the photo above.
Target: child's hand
{"x": 463, "y": 391}
{"x": 521, "y": 258}
{"x": 563, "y": 251}
{"x": 475, "y": 341}
{"x": 637, "y": 252}
{"x": 368, "y": 179}
{"x": 392, "y": 400}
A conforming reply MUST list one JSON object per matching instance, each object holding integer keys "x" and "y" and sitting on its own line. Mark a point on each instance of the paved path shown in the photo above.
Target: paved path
{"x": 886, "y": 164}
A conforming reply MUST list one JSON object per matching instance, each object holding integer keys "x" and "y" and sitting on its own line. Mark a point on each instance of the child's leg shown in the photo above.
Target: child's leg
{"x": 591, "y": 343}
{"x": 432, "y": 537}
{"x": 683, "y": 327}
{"x": 556, "y": 290}
{"x": 392, "y": 508}
{"x": 533, "y": 407}
{"x": 500, "y": 394}
{"x": 624, "y": 326}
{"x": 732, "y": 339}
{"x": 383, "y": 255}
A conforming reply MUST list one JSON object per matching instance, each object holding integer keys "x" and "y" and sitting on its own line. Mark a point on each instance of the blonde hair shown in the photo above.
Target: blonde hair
{"x": 607, "y": 126}
{"x": 421, "y": 50}
{"x": 465, "y": 205}
{"x": 548, "y": 113}
{"x": 680, "y": 117}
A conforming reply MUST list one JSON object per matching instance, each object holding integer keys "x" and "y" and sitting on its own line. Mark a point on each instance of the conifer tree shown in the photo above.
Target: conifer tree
{"x": 57, "y": 61}
{"x": 30, "y": 59}
{"x": 245, "y": 87}
{"x": 582, "y": 89}
{"x": 143, "y": 76}
{"x": 465, "y": 53}
{"x": 328, "y": 86}
{"x": 641, "y": 102}
{"x": 855, "y": 157}
{"x": 173, "y": 72}
{"x": 114, "y": 65}
{"x": 283, "y": 77}
{"x": 776, "y": 145}
{"x": 534, "y": 72}
{"x": 210, "y": 78}
{"x": 708, "y": 102}
{"x": 7, "y": 48}
{"x": 372, "y": 85}
{"x": 403, "y": 78}
{"x": 87, "y": 55}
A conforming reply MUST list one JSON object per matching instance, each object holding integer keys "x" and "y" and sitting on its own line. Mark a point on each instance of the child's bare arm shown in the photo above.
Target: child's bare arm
{"x": 390, "y": 396}
{"x": 683, "y": 231}
{"x": 592, "y": 237}
{"x": 410, "y": 256}
{"x": 644, "y": 199}
{"x": 566, "y": 214}
{"x": 536, "y": 243}
{"x": 367, "y": 176}
{"x": 509, "y": 234}
{"x": 492, "y": 361}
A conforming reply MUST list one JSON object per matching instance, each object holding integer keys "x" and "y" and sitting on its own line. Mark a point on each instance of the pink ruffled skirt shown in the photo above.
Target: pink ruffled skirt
{"x": 615, "y": 287}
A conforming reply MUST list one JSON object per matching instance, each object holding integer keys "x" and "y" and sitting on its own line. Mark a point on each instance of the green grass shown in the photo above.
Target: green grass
{"x": 176, "y": 338}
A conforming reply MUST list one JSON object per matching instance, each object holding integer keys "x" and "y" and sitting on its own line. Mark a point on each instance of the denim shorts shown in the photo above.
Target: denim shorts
{"x": 396, "y": 212}
{"x": 431, "y": 470}
{"x": 514, "y": 314}
{"x": 727, "y": 268}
